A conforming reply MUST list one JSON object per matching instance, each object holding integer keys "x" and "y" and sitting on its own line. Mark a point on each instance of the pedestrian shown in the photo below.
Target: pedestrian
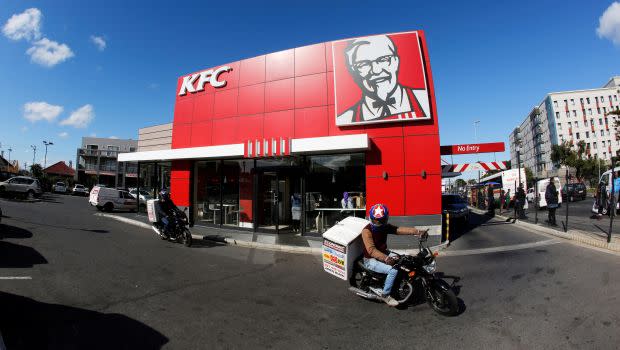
{"x": 601, "y": 200}
{"x": 502, "y": 197}
{"x": 520, "y": 202}
{"x": 480, "y": 198}
{"x": 491, "y": 201}
{"x": 551, "y": 196}
{"x": 507, "y": 200}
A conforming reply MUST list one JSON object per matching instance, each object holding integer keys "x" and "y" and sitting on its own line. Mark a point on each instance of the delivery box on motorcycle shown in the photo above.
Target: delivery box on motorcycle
{"x": 342, "y": 245}
{"x": 152, "y": 208}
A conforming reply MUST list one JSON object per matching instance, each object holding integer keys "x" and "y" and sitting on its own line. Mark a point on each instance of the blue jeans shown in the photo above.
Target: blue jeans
{"x": 166, "y": 223}
{"x": 380, "y": 267}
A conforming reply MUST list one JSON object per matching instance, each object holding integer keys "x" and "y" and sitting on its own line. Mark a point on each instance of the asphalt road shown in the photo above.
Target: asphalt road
{"x": 93, "y": 282}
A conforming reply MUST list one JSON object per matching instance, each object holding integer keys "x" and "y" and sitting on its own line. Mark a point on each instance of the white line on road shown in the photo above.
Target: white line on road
{"x": 505, "y": 248}
{"x": 15, "y": 278}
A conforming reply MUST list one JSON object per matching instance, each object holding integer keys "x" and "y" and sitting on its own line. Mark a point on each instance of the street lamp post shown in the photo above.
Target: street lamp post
{"x": 46, "y": 143}
{"x": 518, "y": 150}
{"x": 12, "y": 150}
{"x": 34, "y": 153}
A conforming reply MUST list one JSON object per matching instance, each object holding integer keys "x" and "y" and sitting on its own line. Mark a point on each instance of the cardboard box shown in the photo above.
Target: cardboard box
{"x": 342, "y": 245}
{"x": 152, "y": 208}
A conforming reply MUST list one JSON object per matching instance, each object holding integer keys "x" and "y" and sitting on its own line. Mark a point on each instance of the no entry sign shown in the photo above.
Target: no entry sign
{"x": 472, "y": 148}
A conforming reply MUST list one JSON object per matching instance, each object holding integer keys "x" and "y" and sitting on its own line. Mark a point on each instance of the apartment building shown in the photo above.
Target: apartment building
{"x": 568, "y": 116}
{"x": 96, "y": 162}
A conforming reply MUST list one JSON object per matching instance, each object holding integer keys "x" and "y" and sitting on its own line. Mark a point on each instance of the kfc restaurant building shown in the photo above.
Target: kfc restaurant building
{"x": 295, "y": 140}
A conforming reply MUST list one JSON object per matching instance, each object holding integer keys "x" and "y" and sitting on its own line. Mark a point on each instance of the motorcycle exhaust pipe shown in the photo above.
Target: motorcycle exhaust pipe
{"x": 363, "y": 294}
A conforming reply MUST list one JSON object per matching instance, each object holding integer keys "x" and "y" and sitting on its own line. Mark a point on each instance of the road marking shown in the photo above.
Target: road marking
{"x": 505, "y": 248}
{"x": 500, "y": 249}
{"x": 15, "y": 278}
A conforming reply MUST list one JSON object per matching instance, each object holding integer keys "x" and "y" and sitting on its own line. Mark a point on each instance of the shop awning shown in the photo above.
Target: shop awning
{"x": 327, "y": 144}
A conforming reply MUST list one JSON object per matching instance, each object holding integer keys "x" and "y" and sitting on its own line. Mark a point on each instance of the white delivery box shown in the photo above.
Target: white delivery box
{"x": 342, "y": 245}
{"x": 152, "y": 208}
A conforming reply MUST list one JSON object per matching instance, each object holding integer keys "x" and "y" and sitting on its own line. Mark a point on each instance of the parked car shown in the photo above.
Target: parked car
{"x": 144, "y": 195}
{"x": 79, "y": 190}
{"x": 59, "y": 187}
{"x": 530, "y": 195}
{"x": 109, "y": 199}
{"x": 574, "y": 192}
{"x": 456, "y": 206}
{"x": 24, "y": 185}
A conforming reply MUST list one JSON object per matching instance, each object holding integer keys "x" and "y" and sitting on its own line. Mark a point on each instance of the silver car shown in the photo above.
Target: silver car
{"x": 24, "y": 185}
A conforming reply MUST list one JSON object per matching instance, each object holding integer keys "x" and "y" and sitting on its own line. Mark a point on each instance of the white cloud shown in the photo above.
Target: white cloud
{"x": 99, "y": 42}
{"x": 63, "y": 135}
{"x": 24, "y": 128}
{"x": 26, "y": 25}
{"x": 35, "y": 111}
{"x": 113, "y": 137}
{"x": 609, "y": 23}
{"x": 81, "y": 117}
{"x": 49, "y": 53}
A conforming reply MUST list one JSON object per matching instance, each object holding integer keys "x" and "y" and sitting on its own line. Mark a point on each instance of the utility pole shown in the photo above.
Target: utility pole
{"x": 46, "y": 143}
{"x": 34, "y": 153}
{"x": 12, "y": 150}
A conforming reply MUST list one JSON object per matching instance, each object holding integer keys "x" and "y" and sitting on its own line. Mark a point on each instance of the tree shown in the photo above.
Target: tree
{"x": 459, "y": 183}
{"x": 471, "y": 181}
{"x": 36, "y": 170}
{"x": 529, "y": 177}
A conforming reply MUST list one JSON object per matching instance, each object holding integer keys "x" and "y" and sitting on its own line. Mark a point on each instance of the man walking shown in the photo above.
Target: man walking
{"x": 520, "y": 202}
{"x": 502, "y": 196}
{"x": 551, "y": 196}
{"x": 601, "y": 199}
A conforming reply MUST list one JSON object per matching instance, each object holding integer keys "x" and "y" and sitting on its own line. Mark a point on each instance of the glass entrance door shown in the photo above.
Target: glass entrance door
{"x": 268, "y": 198}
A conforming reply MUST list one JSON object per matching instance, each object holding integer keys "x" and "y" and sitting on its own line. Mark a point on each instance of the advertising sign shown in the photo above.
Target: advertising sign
{"x": 380, "y": 78}
{"x": 334, "y": 259}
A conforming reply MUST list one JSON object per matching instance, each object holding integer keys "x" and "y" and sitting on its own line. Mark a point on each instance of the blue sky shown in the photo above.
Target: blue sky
{"x": 491, "y": 60}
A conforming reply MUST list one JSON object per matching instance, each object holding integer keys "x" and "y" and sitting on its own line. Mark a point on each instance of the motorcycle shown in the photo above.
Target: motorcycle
{"x": 414, "y": 271}
{"x": 178, "y": 231}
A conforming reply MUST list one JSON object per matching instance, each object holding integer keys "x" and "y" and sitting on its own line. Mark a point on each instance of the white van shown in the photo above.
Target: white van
{"x": 542, "y": 187}
{"x": 606, "y": 179}
{"x": 110, "y": 199}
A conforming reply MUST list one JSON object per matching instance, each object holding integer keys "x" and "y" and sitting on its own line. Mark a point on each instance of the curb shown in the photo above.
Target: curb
{"x": 573, "y": 235}
{"x": 257, "y": 245}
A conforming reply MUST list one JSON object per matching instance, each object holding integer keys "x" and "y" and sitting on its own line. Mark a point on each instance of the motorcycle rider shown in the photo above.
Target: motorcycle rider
{"x": 166, "y": 209}
{"x": 377, "y": 257}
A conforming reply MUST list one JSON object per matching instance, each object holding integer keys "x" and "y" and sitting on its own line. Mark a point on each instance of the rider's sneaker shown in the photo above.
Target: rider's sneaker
{"x": 385, "y": 298}
{"x": 390, "y": 301}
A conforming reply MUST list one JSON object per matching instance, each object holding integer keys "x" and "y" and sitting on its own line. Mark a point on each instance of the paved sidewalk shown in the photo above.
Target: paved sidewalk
{"x": 596, "y": 238}
{"x": 287, "y": 242}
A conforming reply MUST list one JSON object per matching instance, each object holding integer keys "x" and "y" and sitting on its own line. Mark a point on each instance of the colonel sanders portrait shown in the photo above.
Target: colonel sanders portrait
{"x": 374, "y": 64}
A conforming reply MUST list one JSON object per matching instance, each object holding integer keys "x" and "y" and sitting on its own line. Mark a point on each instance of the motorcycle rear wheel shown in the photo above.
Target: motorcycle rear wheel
{"x": 444, "y": 302}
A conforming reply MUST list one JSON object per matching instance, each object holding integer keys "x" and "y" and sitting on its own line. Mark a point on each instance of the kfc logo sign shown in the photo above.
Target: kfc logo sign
{"x": 380, "y": 78}
{"x": 208, "y": 76}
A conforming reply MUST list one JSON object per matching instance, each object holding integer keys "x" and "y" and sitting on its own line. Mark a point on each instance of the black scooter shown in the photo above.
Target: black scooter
{"x": 414, "y": 271}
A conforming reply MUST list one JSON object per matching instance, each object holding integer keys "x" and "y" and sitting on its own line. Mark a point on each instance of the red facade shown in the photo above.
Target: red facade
{"x": 291, "y": 94}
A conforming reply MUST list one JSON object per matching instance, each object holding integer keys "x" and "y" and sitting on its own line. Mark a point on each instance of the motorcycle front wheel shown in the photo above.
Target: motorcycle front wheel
{"x": 443, "y": 301}
{"x": 187, "y": 237}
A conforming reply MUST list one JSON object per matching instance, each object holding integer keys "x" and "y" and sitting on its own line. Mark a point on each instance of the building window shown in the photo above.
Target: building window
{"x": 585, "y": 123}
{"x": 572, "y": 101}
{"x": 567, "y": 114}
{"x": 603, "y": 144}
{"x": 589, "y": 111}
{"x": 594, "y": 145}
{"x": 566, "y": 102}
{"x": 604, "y": 155}
{"x": 577, "y": 136}
{"x": 600, "y": 121}
{"x": 587, "y": 134}
{"x": 607, "y": 132}
{"x": 329, "y": 177}
{"x": 615, "y": 97}
{"x": 602, "y": 132}
{"x": 587, "y": 100}
{"x": 560, "y": 126}
{"x": 555, "y": 104}
{"x": 581, "y": 100}
{"x": 576, "y": 123}
{"x": 604, "y": 110}
{"x": 574, "y": 113}
{"x": 596, "y": 99}
{"x": 570, "y": 125}
{"x": 557, "y": 115}
{"x": 602, "y": 98}
{"x": 598, "y": 110}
